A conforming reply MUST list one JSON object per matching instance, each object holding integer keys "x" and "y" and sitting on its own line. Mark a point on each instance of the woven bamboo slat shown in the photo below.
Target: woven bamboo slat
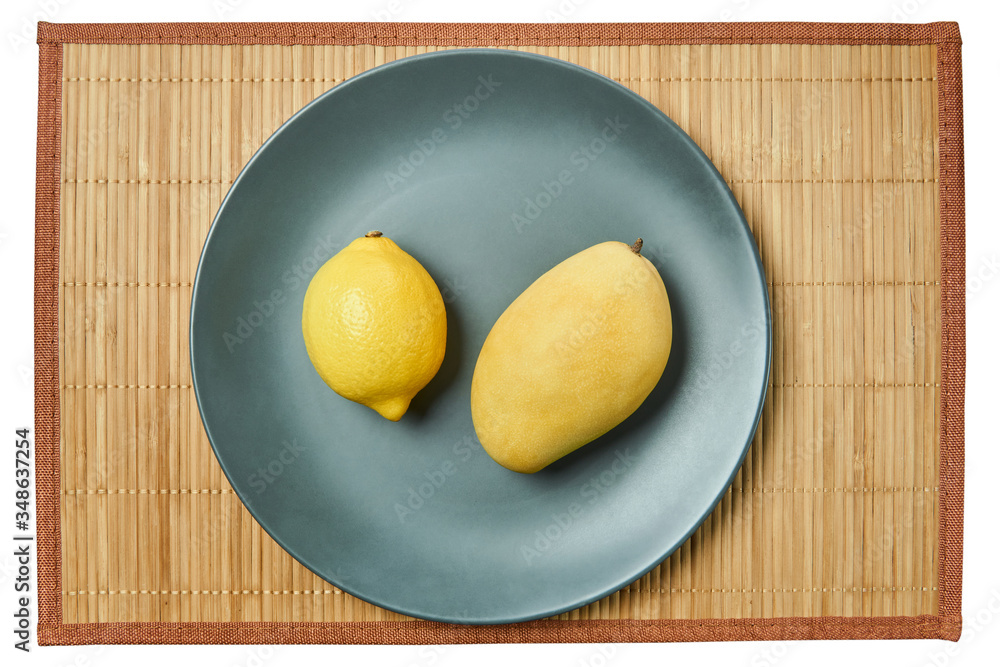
{"x": 831, "y": 150}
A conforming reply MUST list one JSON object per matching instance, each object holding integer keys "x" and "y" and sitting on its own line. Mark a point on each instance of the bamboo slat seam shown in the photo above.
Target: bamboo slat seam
{"x": 124, "y": 284}
{"x": 762, "y": 181}
{"x": 174, "y": 492}
{"x": 662, "y": 591}
{"x": 780, "y": 79}
{"x": 787, "y": 385}
{"x": 145, "y": 181}
{"x": 857, "y": 385}
{"x": 101, "y": 79}
{"x": 151, "y": 492}
{"x": 82, "y": 79}
{"x": 127, "y": 386}
{"x": 838, "y": 181}
{"x": 806, "y": 283}
{"x": 206, "y": 592}
{"x": 459, "y": 40}
{"x": 857, "y": 283}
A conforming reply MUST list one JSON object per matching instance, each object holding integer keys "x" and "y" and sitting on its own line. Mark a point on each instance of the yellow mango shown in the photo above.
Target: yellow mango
{"x": 572, "y": 357}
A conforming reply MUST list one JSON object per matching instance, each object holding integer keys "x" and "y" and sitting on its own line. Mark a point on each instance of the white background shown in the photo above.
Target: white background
{"x": 980, "y": 644}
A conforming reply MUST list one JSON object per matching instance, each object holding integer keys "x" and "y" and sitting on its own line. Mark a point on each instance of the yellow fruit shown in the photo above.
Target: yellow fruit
{"x": 374, "y": 325}
{"x": 573, "y": 356}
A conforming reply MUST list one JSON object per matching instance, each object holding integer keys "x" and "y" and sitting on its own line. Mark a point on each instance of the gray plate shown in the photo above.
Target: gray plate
{"x": 489, "y": 167}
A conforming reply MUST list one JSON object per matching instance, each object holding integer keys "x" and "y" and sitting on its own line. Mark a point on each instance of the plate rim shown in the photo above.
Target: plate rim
{"x": 576, "y": 69}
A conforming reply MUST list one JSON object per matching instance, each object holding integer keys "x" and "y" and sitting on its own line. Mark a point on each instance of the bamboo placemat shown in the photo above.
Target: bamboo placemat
{"x": 843, "y": 145}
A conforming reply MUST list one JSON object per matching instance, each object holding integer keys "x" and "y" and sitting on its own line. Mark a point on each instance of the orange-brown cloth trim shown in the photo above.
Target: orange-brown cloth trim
{"x": 47, "y": 334}
{"x": 426, "y": 632}
{"x": 493, "y": 34}
{"x": 952, "y": 440}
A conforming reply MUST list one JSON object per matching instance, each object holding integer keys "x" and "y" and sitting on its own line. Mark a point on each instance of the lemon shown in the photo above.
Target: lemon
{"x": 374, "y": 325}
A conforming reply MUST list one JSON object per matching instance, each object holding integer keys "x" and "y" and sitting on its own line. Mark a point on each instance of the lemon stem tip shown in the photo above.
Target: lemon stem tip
{"x": 373, "y": 235}
{"x": 637, "y": 246}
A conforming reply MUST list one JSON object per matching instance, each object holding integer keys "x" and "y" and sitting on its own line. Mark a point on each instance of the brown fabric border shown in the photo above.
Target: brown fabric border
{"x": 47, "y": 167}
{"x": 490, "y": 34}
{"x": 947, "y": 624}
{"x": 952, "y": 439}
{"x": 427, "y": 632}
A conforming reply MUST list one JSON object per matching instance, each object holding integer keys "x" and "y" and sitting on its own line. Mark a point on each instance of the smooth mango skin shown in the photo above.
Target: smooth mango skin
{"x": 572, "y": 357}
